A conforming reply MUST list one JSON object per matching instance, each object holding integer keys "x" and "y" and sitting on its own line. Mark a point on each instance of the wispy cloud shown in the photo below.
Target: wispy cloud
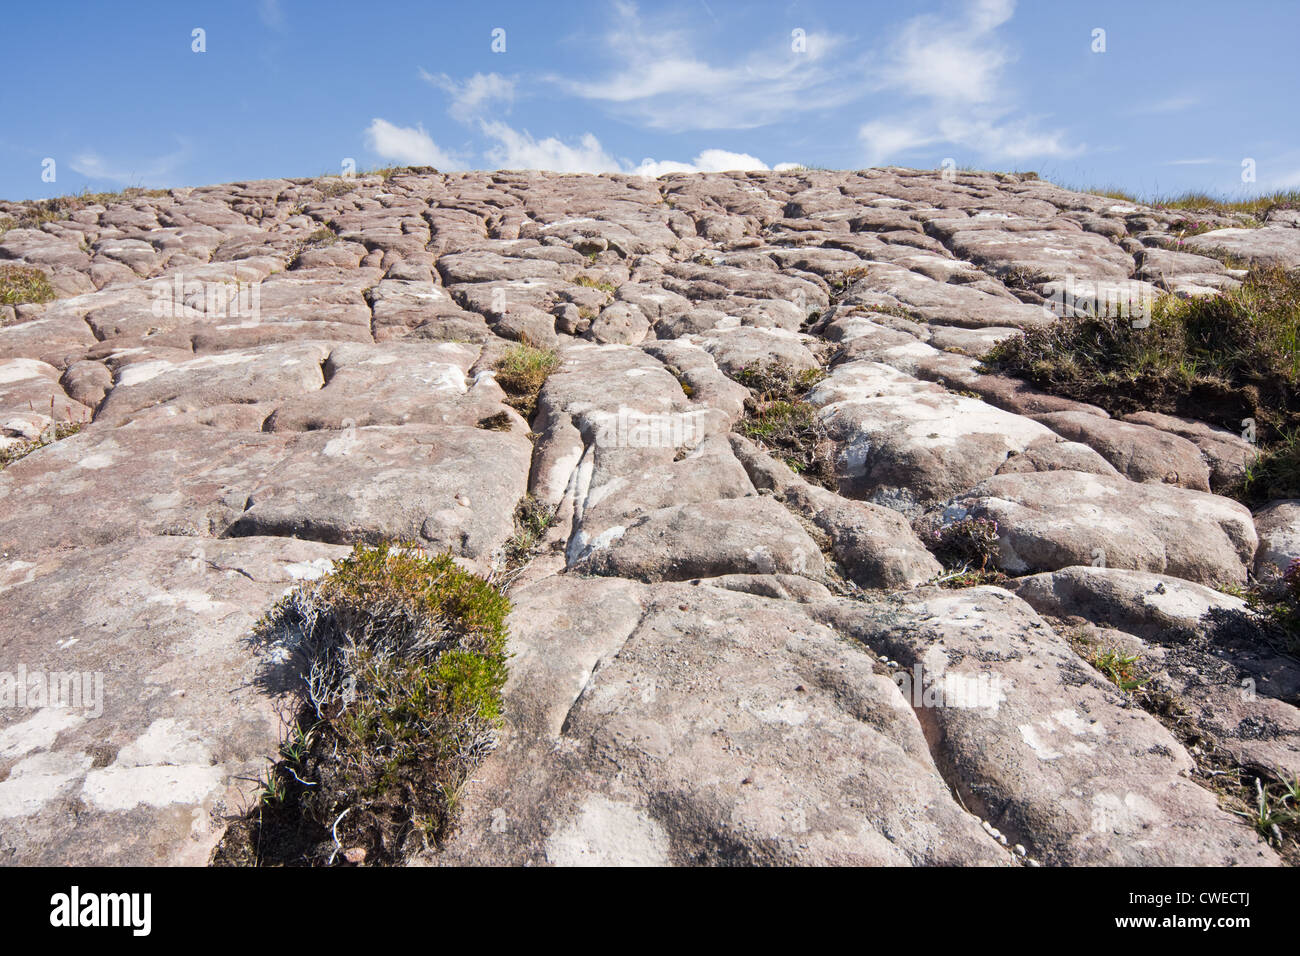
{"x": 662, "y": 83}
{"x": 952, "y": 70}
{"x": 469, "y": 98}
{"x": 270, "y": 13}
{"x": 145, "y": 172}
{"x": 1171, "y": 104}
{"x": 708, "y": 161}
{"x": 950, "y": 59}
{"x": 410, "y": 146}
{"x": 515, "y": 149}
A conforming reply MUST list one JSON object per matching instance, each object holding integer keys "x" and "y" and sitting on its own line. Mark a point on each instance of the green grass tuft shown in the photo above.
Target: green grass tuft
{"x": 522, "y": 372}
{"x": 21, "y": 284}
{"x": 588, "y": 282}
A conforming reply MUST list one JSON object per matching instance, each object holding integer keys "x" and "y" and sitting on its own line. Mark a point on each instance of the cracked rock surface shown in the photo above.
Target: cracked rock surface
{"x": 717, "y": 658}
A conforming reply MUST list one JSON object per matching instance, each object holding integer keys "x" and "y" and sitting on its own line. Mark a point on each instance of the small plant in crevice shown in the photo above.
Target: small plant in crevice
{"x": 500, "y": 422}
{"x": 320, "y": 239}
{"x": 400, "y": 658}
{"x": 1024, "y": 283}
{"x": 1187, "y": 228}
{"x": 332, "y": 187}
{"x": 22, "y": 284}
{"x": 841, "y": 282}
{"x": 1119, "y": 668}
{"x": 1273, "y": 607}
{"x": 780, "y": 418}
{"x": 533, "y": 518}
{"x": 966, "y": 548}
{"x": 1274, "y": 808}
{"x": 587, "y": 282}
{"x": 52, "y": 433}
{"x": 522, "y": 372}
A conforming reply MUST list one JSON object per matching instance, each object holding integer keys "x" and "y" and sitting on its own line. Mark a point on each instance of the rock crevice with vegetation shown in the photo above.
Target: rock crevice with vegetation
{"x": 797, "y": 517}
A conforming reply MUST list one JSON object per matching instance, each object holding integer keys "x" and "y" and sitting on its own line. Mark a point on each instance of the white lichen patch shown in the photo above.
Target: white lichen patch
{"x": 167, "y": 764}
{"x": 605, "y": 833}
{"x": 38, "y": 732}
{"x": 42, "y": 777}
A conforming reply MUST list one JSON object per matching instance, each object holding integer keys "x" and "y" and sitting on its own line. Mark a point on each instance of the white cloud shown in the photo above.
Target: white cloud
{"x": 519, "y": 150}
{"x": 470, "y": 97}
{"x": 410, "y": 146}
{"x": 885, "y": 138}
{"x": 709, "y": 161}
{"x": 516, "y": 149}
{"x": 663, "y": 84}
{"x": 949, "y": 60}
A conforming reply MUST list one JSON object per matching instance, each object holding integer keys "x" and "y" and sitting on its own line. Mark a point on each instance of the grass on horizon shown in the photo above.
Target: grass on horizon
{"x": 1196, "y": 201}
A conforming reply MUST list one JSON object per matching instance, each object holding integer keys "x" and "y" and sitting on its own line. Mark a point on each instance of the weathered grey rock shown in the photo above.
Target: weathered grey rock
{"x": 875, "y": 545}
{"x": 941, "y": 302}
{"x": 172, "y": 724}
{"x": 1269, "y": 245}
{"x": 1051, "y": 520}
{"x": 909, "y": 443}
{"x": 1278, "y": 527}
{"x": 699, "y": 726}
{"x": 734, "y": 350}
{"x": 1054, "y": 250}
{"x": 1233, "y": 688}
{"x": 31, "y": 399}
{"x": 1134, "y": 601}
{"x": 1138, "y": 452}
{"x": 1228, "y": 455}
{"x": 1039, "y": 744}
{"x": 619, "y": 323}
{"x": 238, "y": 377}
{"x": 731, "y": 536}
{"x": 410, "y": 383}
{"x": 451, "y": 486}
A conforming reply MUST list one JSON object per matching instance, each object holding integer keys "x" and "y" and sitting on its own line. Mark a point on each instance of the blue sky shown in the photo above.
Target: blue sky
{"x": 1181, "y": 96}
